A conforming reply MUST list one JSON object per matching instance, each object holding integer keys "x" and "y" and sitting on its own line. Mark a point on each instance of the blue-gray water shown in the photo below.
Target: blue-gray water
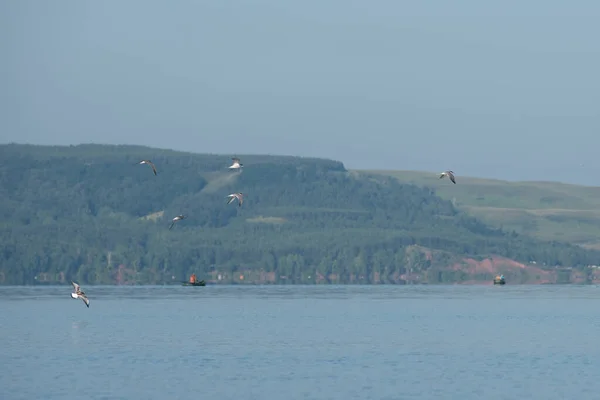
{"x": 301, "y": 342}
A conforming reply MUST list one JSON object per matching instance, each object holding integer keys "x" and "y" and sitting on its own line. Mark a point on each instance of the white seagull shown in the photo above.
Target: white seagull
{"x": 449, "y": 174}
{"x": 239, "y": 196}
{"x": 79, "y": 294}
{"x": 150, "y": 164}
{"x": 177, "y": 218}
{"x": 236, "y": 163}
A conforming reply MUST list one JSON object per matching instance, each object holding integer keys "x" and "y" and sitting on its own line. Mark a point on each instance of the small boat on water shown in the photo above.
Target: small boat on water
{"x": 199, "y": 283}
{"x": 499, "y": 280}
{"x": 193, "y": 282}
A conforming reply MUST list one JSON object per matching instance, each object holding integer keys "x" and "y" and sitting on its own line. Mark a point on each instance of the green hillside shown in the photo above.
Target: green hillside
{"x": 546, "y": 210}
{"x": 91, "y": 213}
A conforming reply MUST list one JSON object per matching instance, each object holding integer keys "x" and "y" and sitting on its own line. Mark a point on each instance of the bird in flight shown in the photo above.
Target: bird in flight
{"x": 79, "y": 294}
{"x": 236, "y": 163}
{"x": 177, "y": 218}
{"x": 449, "y": 174}
{"x": 150, "y": 164}
{"x": 238, "y": 196}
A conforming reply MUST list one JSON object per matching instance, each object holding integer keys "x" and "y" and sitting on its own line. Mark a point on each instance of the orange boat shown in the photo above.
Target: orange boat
{"x": 193, "y": 282}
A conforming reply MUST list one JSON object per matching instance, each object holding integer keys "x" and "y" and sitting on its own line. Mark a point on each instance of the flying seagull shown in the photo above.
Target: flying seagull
{"x": 79, "y": 294}
{"x": 177, "y": 218}
{"x": 150, "y": 164}
{"x": 449, "y": 174}
{"x": 239, "y": 196}
{"x": 236, "y": 163}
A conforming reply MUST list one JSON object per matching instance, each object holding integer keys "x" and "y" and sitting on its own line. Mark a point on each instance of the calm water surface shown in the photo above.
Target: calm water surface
{"x": 301, "y": 342}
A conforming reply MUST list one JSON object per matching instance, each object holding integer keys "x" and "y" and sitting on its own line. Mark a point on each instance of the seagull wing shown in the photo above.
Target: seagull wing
{"x": 451, "y": 176}
{"x": 153, "y": 167}
{"x": 85, "y": 299}
{"x": 231, "y": 198}
{"x": 76, "y": 287}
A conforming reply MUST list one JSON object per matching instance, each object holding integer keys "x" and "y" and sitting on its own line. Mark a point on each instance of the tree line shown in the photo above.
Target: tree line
{"x": 91, "y": 213}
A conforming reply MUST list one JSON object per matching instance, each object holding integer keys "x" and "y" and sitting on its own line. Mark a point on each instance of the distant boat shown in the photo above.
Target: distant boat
{"x": 199, "y": 283}
{"x": 499, "y": 280}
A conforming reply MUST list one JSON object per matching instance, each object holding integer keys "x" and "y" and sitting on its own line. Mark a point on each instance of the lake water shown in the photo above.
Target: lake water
{"x": 301, "y": 342}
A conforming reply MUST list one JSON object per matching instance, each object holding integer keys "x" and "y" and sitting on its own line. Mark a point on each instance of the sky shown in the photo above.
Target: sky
{"x": 507, "y": 90}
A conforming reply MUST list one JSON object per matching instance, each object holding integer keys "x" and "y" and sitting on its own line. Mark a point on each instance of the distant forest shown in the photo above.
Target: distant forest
{"x": 92, "y": 214}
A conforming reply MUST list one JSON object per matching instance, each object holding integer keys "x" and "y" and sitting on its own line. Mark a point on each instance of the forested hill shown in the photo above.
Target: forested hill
{"x": 92, "y": 214}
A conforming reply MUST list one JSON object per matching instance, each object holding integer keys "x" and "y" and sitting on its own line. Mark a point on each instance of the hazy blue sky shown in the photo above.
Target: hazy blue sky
{"x": 506, "y": 89}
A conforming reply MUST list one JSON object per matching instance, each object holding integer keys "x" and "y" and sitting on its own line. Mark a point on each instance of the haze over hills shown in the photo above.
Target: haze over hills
{"x": 91, "y": 213}
{"x": 473, "y": 86}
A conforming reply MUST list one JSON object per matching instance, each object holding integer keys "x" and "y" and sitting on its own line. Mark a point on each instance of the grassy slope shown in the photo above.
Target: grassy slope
{"x": 547, "y": 210}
